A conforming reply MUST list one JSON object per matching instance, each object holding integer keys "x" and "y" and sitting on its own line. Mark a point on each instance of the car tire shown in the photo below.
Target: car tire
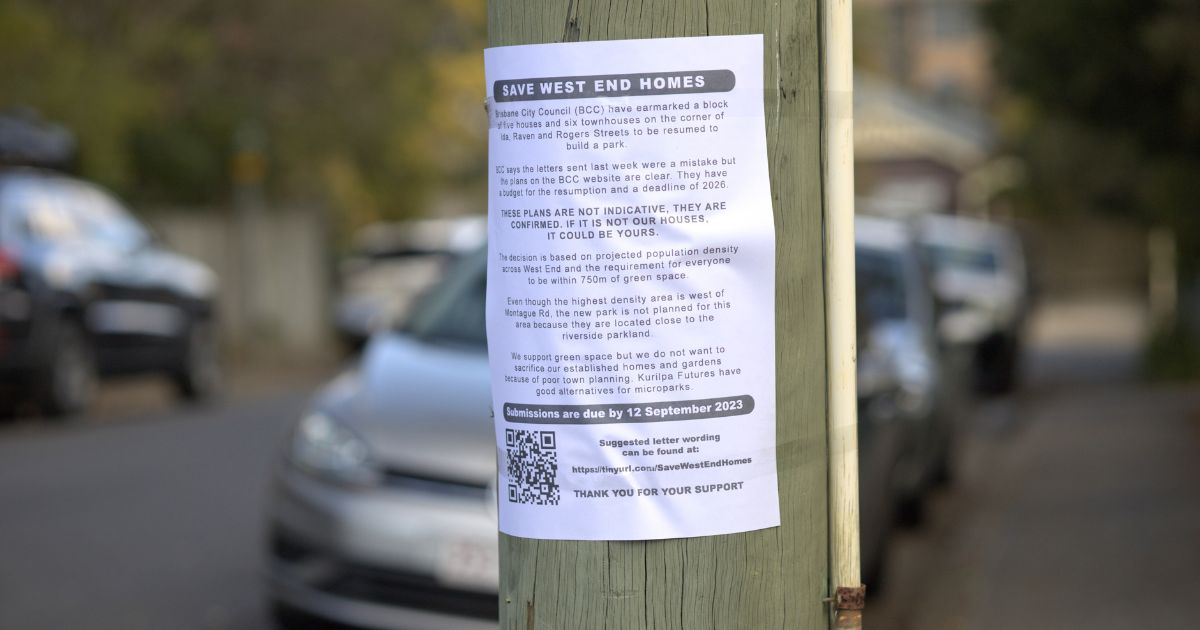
{"x": 285, "y": 617}
{"x": 874, "y": 570}
{"x": 996, "y": 363}
{"x": 910, "y": 513}
{"x": 943, "y": 471}
{"x": 70, "y": 380}
{"x": 198, "y": 376}
{"x": 1007, "y": 379}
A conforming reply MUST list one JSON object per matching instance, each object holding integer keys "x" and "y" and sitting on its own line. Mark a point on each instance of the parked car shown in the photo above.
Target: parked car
{"x": 86, "y": 290}
{"x": 391, "y": 265}
{"x": 981, "y": 280}
{"x": 906, "y": 428}
{"x": 383, "y": 512}
{"x": 28, "y": 140}
{"x": 382, "y": 509}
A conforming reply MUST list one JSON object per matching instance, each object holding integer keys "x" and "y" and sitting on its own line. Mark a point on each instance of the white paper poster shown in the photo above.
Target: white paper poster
{"x": 631, "y": 289}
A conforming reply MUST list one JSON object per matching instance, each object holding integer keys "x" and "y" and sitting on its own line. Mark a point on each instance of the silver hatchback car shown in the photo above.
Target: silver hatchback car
{"x": 383, "y": 508}
{"x": 382, "y": 513}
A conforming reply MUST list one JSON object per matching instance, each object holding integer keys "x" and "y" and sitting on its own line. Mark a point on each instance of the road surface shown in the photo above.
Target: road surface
{"x": 138, "y": 520}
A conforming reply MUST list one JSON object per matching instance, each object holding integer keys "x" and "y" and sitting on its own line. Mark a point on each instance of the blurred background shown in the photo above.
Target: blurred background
{"x": 220, "y": 221}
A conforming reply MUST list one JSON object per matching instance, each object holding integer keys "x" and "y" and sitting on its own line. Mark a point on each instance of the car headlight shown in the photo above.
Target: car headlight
{"x": 327, "y": 448}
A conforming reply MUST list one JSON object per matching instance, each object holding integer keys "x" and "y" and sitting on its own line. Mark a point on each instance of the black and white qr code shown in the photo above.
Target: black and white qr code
{"x": 532, "y": 464}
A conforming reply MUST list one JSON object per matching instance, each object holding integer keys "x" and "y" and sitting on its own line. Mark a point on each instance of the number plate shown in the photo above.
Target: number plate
{"x": 469, "y": 564}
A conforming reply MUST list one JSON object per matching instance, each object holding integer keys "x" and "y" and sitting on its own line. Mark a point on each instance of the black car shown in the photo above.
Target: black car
{"x": 86, "y": 290}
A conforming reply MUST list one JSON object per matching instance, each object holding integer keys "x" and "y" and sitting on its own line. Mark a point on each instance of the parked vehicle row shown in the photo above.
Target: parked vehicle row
{"x": 905, "y": 430}
{"x": 382, "y": 512}
{"x": 982, "y": 282}
{"x": 942, "y": 306}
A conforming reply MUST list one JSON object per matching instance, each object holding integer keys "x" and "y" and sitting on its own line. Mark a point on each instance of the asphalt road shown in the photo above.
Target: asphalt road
{"x": 1075, "y": 506}
{"x": 138, "y": 520}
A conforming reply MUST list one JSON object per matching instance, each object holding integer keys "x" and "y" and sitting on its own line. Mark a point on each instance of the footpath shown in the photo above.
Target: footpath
{"x": 1076, "y": 504}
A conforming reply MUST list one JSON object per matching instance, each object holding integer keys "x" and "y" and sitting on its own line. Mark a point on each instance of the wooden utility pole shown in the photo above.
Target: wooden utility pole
{"x": 769, "y": 579}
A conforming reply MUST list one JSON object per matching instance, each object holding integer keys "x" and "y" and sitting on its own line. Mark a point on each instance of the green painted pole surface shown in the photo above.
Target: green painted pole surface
{"x": 768, "y": 579}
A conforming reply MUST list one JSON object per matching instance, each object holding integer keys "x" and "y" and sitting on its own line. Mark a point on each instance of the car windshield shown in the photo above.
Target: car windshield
{"x": 962, "y": 258}
{"x": 881, "y": 284}
{"x": 453, "y": 310}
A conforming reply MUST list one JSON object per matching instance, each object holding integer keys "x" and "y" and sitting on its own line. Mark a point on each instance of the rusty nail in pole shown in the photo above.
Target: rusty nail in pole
{"x": 850, "y": 597}
{"x": 848, "y": 604}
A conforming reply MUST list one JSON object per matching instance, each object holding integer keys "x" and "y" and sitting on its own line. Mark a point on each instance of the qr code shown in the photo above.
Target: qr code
{"x": 532, "y": 465}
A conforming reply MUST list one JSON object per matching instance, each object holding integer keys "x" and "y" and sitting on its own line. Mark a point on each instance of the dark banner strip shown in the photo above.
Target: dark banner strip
{"x": 613, "y": 85}
{"x": 670, "y": 411}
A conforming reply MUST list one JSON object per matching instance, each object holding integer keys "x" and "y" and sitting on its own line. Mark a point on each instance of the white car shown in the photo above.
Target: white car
{"x": 981, "y": 281}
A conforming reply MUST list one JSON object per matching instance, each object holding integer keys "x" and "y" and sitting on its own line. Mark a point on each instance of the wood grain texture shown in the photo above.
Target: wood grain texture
{"x": 774, "y": 578}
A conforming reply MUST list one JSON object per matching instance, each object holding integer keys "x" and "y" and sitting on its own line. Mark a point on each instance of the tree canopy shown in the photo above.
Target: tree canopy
{"x": 1103, "y": 101}
{"x": 371, "y": 105}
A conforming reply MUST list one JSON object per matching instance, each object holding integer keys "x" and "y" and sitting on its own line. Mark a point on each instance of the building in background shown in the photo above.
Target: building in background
{"x": 912, "y": 155}
{"x": 923, "y": 140}
{"x": 936, "y": 48}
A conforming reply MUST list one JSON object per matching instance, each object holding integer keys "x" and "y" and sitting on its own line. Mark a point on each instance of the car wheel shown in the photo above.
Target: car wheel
{"x": 911, "y": 511}
{"x": 996, "y": 363}
{"x": 285, "y": 617}
{"x": 70, "y": 381}
{"x": 1007, "y": 379}
{"x": 943, "y": 468}
{"x": 199, "y": 374}
{"x": 874, "y": 569}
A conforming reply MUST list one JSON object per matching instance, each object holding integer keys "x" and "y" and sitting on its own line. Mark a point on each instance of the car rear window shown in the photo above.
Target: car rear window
{"x": 949, "y": 257}
{"x": 32, "y": 209}
{"x": 103, "y": 219}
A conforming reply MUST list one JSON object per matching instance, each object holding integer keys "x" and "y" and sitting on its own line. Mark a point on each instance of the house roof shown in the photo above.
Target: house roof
{"x": 891, "y": 123}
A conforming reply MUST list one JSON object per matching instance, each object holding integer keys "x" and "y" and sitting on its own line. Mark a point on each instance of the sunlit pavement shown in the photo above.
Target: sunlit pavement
{"x": 1076, "y": 504}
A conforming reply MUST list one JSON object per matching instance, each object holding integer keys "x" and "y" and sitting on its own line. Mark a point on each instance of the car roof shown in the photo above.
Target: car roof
{"x": 457, "y": 235}
{"x": 951, "y": 229}
{"x": 33, "y": 175}
{"x": 881, "y": 233}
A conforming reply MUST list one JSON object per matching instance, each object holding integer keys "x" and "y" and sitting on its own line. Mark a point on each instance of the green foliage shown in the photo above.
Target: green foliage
{"x": 1173, "y": 353}
{"x": 1104, "y": 103}
{"x": 371, "y": 105}
{"x": 44, "y": 66}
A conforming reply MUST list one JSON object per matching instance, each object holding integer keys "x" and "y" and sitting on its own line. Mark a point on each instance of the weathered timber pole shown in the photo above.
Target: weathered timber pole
{"x": 773, "y": 578}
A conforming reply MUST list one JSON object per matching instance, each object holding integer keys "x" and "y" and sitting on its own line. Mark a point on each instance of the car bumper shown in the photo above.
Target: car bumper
{"x": 381, "y": 557}
{"x": 298, "y": 595}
